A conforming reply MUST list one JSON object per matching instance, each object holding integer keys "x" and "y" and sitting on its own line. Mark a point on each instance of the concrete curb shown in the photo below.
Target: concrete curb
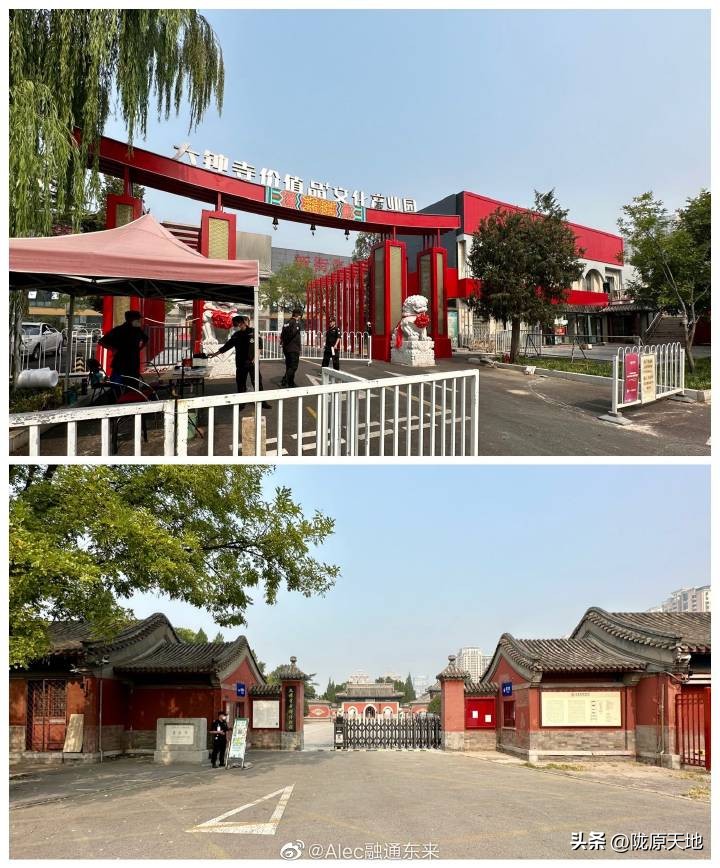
{"x": 700, "y": 396}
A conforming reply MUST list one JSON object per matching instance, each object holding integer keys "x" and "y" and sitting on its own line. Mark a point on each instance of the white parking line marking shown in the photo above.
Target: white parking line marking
{"x": 269, "y": 828}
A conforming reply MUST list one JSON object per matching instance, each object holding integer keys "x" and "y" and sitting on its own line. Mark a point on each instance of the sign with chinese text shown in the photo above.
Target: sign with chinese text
{"x": 316, "y": 191}
{"x": 507, "y": 688}
{"x": 630, "y": 385}
{"x": 647, "y": 373}
{"x": 266, "y": 714}
{"x": 239, "y": 688}
{"x": 580, "y": 708}
{"x": 179, "y": 733}
{"x": 238, "y": 741}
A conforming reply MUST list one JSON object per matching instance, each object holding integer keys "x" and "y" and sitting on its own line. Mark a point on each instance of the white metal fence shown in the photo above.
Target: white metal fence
{"x": 651, "y": 380}
{"x": 498, "y": 342}
{"x": 75, "y": 352}
{"x": 416, "y": 415}
{"x": 353, "y": 345}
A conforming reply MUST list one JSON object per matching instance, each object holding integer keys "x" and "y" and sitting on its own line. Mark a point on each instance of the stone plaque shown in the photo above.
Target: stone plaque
{"x": 74, "y": 734}
{"x": 179, "y": 733}
{"x": 581, "y": 708}
{"x": 266, "y": 714}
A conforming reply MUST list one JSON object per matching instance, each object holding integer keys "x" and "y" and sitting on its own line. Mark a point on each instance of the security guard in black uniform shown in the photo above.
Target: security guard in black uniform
{"x": 291, "y": 342}
{"x": 219, "y": 730}
{"x": 332, "y": 346}
{"x": 242, "y": 340}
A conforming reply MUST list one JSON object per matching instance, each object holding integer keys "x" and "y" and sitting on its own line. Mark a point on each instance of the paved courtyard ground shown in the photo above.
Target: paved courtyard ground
{"x": 459, "y": 805}
{"x": 519, "y": 415}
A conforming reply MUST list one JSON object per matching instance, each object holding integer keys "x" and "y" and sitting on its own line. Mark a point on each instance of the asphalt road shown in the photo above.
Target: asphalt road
{"x": 519, "y": 415}
{"x": 462, "y": 806}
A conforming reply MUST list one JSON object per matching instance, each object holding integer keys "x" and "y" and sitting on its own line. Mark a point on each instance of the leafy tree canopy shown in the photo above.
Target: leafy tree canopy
{"x": 434, "y": 705}
{"x": 71, "y": 68}
{"x": 527, "y": 261}
{"x": 671, "y": 253}
{"x": 286, "y": 289}
{"x": 364, "y": 243}
{"x": 84, "y": 539}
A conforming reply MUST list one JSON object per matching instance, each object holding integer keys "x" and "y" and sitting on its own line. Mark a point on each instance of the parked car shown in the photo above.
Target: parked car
{"x": 39, "y": 337}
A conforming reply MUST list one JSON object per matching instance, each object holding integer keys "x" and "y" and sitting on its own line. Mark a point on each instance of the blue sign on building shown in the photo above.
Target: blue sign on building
{"x": 507, "y": 688}
{"x": 240, "y": 688}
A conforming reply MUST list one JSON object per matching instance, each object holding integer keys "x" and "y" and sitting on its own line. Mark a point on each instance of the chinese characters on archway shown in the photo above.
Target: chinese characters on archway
{"x": 293, "y": 183}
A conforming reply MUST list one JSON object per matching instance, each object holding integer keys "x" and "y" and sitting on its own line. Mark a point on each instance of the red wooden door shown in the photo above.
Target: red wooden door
{"x": 47, "y": 715}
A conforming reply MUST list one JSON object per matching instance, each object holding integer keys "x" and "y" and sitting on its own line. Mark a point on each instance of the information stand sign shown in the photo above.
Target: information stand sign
{"x": 238, "y": 743}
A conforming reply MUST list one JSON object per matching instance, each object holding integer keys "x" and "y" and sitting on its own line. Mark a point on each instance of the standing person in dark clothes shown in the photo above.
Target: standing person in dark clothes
{"x": 219, "y": 729}
{"x": 126, "y": 341}
{"x": 242, "y": 340}
{"x": 332, "y": 346}
{"x": 291, "y": 342}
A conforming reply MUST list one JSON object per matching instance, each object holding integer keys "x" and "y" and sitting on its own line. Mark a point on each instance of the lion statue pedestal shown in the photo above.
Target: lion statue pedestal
{"x": 411, "y": 346}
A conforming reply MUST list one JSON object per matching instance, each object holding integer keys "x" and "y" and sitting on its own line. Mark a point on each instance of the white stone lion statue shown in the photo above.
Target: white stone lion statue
{"x": 415, "y": 320}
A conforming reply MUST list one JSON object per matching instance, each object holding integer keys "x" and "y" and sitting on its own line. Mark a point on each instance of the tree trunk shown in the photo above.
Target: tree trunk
{"x": 514, "y": 340}
{"x": 689, "y": 339}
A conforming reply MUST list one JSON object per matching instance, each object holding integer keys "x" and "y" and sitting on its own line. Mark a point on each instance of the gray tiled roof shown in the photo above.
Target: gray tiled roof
{"x": 659, "y": 629}
{"x": 370, "y": 690}
{"x": 290, "y": 671}
{"x": 565, "y": 655}
{"x": 266, "y": 690}
{"x": 187, "y": 657}
{"x": 68, "y": 636}
{"x": 480, "y": 688}
{"x": 452, "y": 671}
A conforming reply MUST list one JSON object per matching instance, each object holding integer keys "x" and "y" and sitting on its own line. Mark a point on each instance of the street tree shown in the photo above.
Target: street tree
{"x": 364, "y": 244}
{"x": 434, "y": 705}
{"x": 84, "y": 539}
{"x": 409, "y": 689}
{"x": 526, "y": 261}
{"x": 286, "y": 289}
{"x": 671, "y": 253}
{"x": 72, "y": 68}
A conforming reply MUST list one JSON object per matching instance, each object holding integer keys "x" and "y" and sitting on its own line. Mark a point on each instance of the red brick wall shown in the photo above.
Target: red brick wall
{"x": 18, "y": 701}
{"x": 318, "y": 712}
{"x": 361, "y": 705}
{"x": 147, "y": 704}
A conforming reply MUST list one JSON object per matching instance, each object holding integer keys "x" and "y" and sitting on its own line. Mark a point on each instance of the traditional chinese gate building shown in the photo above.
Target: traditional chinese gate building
{"x": 146, "y": 672}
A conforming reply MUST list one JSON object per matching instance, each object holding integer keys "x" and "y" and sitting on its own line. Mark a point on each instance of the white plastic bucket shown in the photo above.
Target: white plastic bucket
{"x": 39, "y": 378}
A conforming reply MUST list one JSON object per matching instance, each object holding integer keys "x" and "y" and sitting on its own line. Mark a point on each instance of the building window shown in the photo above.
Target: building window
{"x": 509, "y": 713}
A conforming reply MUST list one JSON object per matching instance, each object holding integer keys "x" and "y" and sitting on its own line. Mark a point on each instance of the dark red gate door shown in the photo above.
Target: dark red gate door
{"x": 692, "y": 708}
{"x": 47, "y": 717}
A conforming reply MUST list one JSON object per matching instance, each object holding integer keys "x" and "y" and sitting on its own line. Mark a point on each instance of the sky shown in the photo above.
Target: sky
{"x": 450, "y": 556}
{"x": 600, "y": 105}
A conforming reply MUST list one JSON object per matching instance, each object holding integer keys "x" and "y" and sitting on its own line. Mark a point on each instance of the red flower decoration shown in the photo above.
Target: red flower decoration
{"x": 422, "y": 321}
{"x": 221, "y": 320}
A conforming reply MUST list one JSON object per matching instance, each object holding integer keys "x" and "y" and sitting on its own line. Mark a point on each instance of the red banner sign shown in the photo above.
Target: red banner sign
{"x": 630, "y": 388}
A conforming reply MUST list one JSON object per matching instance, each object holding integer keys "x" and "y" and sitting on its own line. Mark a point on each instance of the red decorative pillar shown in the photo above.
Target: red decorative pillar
{"x": 218, "y": 240}
{"x": 292, "y": 706}
{"x": 388, "y": 286}
{"x": 452, "y": 705}
{"x": 432, "y": 283}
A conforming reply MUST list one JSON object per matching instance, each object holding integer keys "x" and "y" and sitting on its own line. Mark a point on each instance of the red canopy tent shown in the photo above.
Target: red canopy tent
{"x": 141, "y": 258}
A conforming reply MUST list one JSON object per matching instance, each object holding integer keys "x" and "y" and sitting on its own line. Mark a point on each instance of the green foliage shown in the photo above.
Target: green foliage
{"x": 70, "y": 68}
{"x": 364, "y": 243}
{"x": 409, "y": 690}
{"x": 527, "y": 261}
{"x": 201, "y": 637}
{"x": 434, "y": 705}
{"x": 187, "y": 634}
{"x": 84, "y": 539}
{"x": 30, "y": 400}
{"x": 219, "y": 636}
{"x": 286, "y": 289}
{"x": 671, "y": 253}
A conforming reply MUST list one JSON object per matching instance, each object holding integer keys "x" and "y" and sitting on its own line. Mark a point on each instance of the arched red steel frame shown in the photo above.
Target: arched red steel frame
{"x": 224, "y": 191}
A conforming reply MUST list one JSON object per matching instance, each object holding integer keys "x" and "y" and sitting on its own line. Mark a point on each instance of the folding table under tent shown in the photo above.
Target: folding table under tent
{"x": 140, "y": 258}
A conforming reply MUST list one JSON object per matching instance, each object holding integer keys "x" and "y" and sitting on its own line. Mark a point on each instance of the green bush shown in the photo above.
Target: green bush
{"x": 31, "y": 400}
